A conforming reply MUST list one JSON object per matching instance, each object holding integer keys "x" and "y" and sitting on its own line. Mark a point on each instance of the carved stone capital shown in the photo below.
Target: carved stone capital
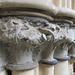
{"x": 72, "y": 51}
{"x": 21, "y": 35}
{"x": 59, "y": 36}
{"x": 61, "y": 52}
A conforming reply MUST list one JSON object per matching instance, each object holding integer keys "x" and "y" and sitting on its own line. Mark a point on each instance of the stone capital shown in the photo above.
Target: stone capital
{"x": 21, "y": 35}
{"x": 59, "y": 35}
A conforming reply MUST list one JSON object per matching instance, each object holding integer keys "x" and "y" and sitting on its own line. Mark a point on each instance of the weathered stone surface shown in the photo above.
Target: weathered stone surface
{"x": 31, "y": 39}
{"x": 25, "y": 41}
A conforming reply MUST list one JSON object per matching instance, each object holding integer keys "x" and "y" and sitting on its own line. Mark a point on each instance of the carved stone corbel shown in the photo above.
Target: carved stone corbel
{"x": 47, "y": 36}
{"x": 70, "y": 68}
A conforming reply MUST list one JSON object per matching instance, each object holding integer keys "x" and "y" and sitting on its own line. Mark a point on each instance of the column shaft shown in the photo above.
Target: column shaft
{"x": 58, "y": 3}
{"x": 70, "y": 68}
{"x": 73, "y": 4}
{"x": 64, "y": 3}
{"x": 46, "y": 69}
{"x": 61, "y": 68}
{"x": 36, "y": 71}
{"x": 69, "y": 4}
{"x": 28, "y": 72}
{"x": 3, "y": 72}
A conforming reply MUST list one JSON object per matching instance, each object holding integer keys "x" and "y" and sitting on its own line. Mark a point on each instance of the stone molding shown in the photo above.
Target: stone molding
{"x": 45, "y": 6}
{"x": 65, "y": 7}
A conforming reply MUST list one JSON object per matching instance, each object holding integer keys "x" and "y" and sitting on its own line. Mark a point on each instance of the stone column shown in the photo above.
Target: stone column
{"x": 47, "y": 36}
{"x": 47, "y": 60}
{"x": 58, "y": 3}
{"x": 70, "y": 66}
{"x": 61, "y": 55}
{"x": 64, "y": 3}
{"x": 28, "y": 72}
{"x": 21, "y": 42}
{"x": 73, "y": 4}
{"x": 46, "y": 66}
{"x": 61, "y": 52}
{"x": 69, "y": 4}
{"x": 36, "y": 70}
{"x": 21, "y": 38}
